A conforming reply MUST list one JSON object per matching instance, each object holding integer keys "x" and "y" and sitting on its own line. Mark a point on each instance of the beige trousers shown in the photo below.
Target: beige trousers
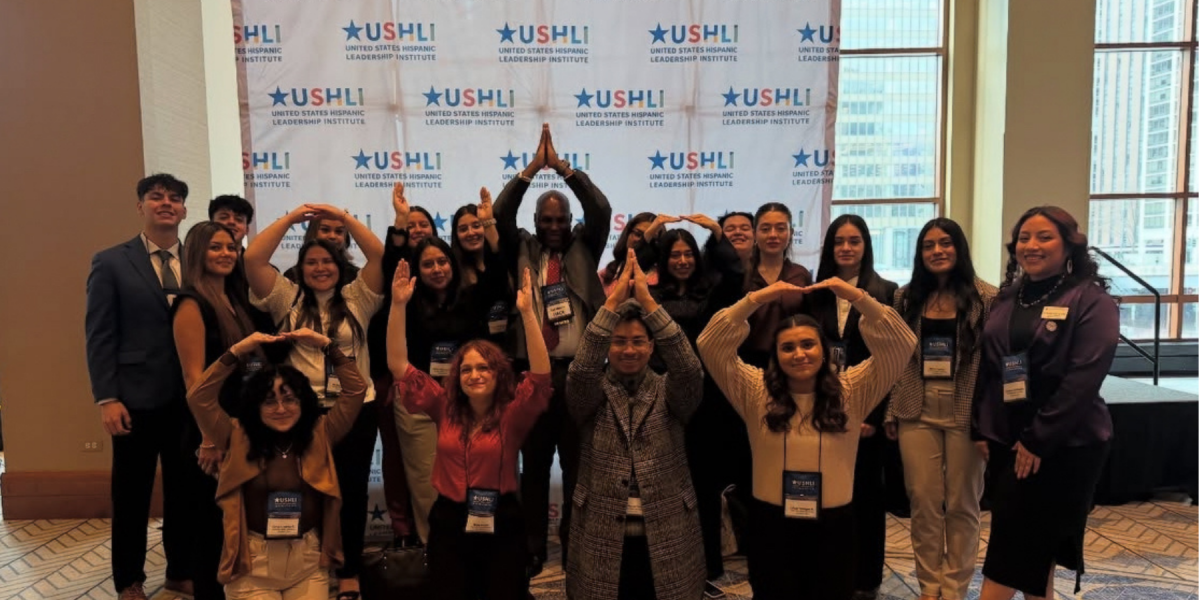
{"x": 943, "y": 473}
{"x": 282, "y": 570}
{"x": 418, "y": 446}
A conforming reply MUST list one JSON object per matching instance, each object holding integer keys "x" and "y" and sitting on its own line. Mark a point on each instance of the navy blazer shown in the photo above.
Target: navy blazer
{"x": 130, "y": 341}
{"x": 1067, "y": 363}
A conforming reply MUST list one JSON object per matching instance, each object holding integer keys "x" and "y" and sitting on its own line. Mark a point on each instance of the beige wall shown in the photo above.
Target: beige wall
{"x": 70, "y": 154}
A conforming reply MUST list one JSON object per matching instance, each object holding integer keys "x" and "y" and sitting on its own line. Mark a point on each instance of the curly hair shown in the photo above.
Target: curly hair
{"x": 829, "y": 412}
{"x": 254, "y": 393}
{"x": 1083, "y": 266}
{"x": 458, "y": 407}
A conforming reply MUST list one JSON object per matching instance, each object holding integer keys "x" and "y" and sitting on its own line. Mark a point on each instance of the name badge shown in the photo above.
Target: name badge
{"x": 558, "y": 303}
{"x": 333, "y": 386}
{"x": 440, "y": 357}
{"x": 1016, "y": 376}
{"x": 283, "y": 515}
{"x": 837, "y": 357}
{"x": 1055, "y": 313}
{"x": 633, "y": 508}
{"x": 481, "y": 510}
{"x": 801, "y": 495}
{"x": 937, "y": 357}
{"x": 252, "y": 365}
{"x": 498, "y": 318}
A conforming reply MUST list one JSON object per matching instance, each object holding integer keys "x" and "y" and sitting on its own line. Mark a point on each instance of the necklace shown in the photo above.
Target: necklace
{"x": 1021, "y": 293}
{"x": 283, "y": 452}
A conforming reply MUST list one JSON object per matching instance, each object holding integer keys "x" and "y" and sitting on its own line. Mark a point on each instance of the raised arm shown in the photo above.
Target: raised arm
{"x": 372, "y": 248}
{"x": 257, "y": 258}
{"x": 397, "y": 336}
{"x": 685, "y": 377}
{"x": 535, "y": 344}
{"x": 585, "y": 388}
{"x": 203, "y": 395}
{"x": 487, "y": 216}
{"x": 508, "y": 203}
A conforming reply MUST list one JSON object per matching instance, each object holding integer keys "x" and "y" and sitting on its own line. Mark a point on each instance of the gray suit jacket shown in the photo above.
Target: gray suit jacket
{"x": 579, "y": 263}
{"x": 614, "y": 446}
{"x": 130, "y": 342}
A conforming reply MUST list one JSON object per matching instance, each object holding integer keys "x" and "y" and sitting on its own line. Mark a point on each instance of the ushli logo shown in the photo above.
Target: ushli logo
{"x": 621, "y": 99}
{"x": 691, "y": 169}
{"x": 544, "y": 43}
{"x": 382, "y": 41}
{"x": 317, "y": 96}
{"x": 391, "y": 31}
{"x": 383, "y": 168}
{"x": 470, "y": 97}
{"x": 812, "y": 167}
{"x": 818, "y": 44}
{"x": 544, "y": 34}
{"x": 262, "y": 170}
{"x": 694, "y": 42}
{"x": 258, "y": 43}
{"x": 767, "y": 96}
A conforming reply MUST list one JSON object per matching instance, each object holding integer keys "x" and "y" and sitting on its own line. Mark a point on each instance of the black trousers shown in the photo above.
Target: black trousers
{"x": 476, "y": 566}
{"x": 205, "y": 528}
{"x": 870, "y": 518}
{"x": 636, "y": 582}
{"x": 795, "y": 558}
{"x": 155, "y": 434}
{"x": 554, "y": 430}
{"x": 352, "y": 459}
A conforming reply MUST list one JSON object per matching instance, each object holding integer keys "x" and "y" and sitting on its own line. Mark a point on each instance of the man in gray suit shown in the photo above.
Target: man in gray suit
{"x": 567, "y": 292}
{"x": 137, "y": 382}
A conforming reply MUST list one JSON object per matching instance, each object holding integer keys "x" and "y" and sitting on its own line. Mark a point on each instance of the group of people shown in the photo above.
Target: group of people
{"x": 664, "y": 379}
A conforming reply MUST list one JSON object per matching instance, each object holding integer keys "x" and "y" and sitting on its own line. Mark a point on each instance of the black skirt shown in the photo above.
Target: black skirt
{"x": 789, "y": 559}
{"x": 1039, "y": 521}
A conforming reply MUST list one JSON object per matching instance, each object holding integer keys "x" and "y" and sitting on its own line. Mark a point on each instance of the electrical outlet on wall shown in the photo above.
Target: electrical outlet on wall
{"x": 93, "y": 446}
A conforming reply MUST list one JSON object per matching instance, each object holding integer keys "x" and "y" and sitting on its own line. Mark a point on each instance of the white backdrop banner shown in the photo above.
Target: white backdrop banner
{"x": 676, "y": 107}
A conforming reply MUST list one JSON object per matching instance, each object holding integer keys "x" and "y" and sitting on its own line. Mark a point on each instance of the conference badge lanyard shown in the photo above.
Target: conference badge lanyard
{"x": 440, "y": 357}
{"x": 283, "y": 515}
{"x": 482, "y": 502}
{"x": 837, "y": 356}
{"x": 633, "y": 506}
{"x": 1016, "y": 377}
{"x": 333, "y": 386}
{"x": 558, "y": 303}
{"x": 498, "y": 318}
{"x": 937, "y": 357}
{"x": 254, "y": 363}
{"x": 802, "y": 489}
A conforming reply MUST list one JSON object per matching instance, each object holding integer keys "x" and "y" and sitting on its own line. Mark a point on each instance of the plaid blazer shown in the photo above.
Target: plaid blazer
{"x": 642, "y": 434}
{"x": 908, "y": 396}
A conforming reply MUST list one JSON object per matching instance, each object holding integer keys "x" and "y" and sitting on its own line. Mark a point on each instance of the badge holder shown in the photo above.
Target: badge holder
{"x": 440, "y": 357}
{"x": 558, "y": 303}
{"x": 498, "y": 318}
{"x": 802, "y": 489}
{"x": 283, "y": 515}
{"x": 333, "y": 386}
{"x": 633, "y": 507}
{"x": 481, "y": 510}
{"x": 937, "y": 357}
{"x": 837, "y": 357}
{"x": 1016, "y": 378}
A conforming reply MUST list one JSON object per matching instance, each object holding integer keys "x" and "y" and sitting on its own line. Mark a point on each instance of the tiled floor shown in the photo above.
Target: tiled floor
{"x": 1144, "y": 551}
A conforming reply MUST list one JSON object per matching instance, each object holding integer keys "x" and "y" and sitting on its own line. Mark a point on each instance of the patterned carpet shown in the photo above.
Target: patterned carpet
{"x": 1145, "y": 551}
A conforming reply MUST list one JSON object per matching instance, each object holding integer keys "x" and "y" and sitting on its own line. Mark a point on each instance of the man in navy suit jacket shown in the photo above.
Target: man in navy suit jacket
{"x": 137, "y": 382}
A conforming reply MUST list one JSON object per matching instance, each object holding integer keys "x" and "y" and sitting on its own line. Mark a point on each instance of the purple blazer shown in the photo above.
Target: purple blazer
{"x": 1067, "y": 362}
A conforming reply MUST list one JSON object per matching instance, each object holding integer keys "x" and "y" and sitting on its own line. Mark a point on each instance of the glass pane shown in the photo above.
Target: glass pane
{"x": 1123, "y": 21}
{"x": 891, "y": 24}
{"x": 1189, "y": 321}
{"x": 1135, "y": 121}
{"x": 1140, "y": 235}
{"x": 1191, "y": 266}
{"x": 1193, "y": 171}
{"x": 894, "y": 230}
{"x": 1137, "y": 321}
{"x": 887, "y": 127}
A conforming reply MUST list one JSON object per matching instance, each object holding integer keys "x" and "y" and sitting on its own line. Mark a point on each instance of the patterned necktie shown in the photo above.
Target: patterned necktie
{"x": 170, "y": 284}
{"x": 553, "y": 276}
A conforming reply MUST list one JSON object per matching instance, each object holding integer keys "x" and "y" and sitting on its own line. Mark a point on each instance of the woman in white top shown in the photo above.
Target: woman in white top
{"x": 322, "y": 301}
{"x": 803, "y": 421}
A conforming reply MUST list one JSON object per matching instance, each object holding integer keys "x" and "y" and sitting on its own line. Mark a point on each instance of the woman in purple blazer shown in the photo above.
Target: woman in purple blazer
{"x": 1039, "y": 419}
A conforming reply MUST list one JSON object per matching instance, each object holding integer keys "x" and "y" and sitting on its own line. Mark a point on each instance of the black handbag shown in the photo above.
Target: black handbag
{"x": 395, "y": 573}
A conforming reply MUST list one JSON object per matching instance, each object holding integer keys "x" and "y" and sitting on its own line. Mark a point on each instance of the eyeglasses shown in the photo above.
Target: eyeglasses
{"x": 637, "y": 343}
{"x": 286, "y": 401}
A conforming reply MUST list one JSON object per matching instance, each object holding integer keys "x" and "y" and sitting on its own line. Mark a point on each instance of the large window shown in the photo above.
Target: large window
{"x": 1143, "y": 179}
{"x": 890, "y": 124}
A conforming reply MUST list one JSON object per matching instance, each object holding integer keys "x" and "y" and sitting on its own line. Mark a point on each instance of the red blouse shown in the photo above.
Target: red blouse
{"x": 489, "y": 459}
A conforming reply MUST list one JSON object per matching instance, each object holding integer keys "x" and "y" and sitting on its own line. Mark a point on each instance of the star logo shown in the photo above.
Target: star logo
{"x": 361, "y": 160}
{"x": 352, "y": 31}
{"x": 660, "y": 34}
{"x": 278, "y": 97}
{"x": 506, "y": 34}
{"x": 377, "y": 513}
{"x": 801, "y": 158}
{"x": 432, "y": 97}
{"x": 806, "y": 34}
{"x": 510, "y": 161}
{"x": 730, "y": 97}
{"x": 584, "y": 98}
{"x": 658, "y": 161}
{"x": 438, "y": 221}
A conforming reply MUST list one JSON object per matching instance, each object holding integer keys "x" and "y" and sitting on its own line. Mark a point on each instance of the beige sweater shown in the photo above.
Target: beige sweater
{"x": 891, "y": 343}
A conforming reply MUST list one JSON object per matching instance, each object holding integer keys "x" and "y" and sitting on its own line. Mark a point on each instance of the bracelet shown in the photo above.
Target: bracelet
{"x": 207, "y": 446}
{"x": 488, "y": 222}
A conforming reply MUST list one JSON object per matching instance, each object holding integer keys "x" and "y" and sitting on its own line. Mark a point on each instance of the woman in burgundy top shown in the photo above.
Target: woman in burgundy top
{"x": 476, "y": 543}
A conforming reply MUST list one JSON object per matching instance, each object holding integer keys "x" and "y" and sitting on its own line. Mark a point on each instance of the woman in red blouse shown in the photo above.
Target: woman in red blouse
{"x": 476, "y": 543}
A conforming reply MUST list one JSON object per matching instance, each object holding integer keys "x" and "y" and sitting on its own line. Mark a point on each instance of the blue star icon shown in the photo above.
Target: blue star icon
{"x": 801, "y": 158}
{"x": 660, "y": 34}
{"x": 278, "y": 97}
{"x": 352, "y": 31}
{"x": 806, "y": 34}
{"x": 361, "y": 160}
{"x": 432, "y": 97}
{"x": 377, "y": 513}
{"x": 438, "y": 221}
{"x": 584, "y": 98}
{"x": 730, "y": 97}
{"x": 506, "y": 34}
{"x": 510, "y": 161}
{"x": 658, "y": 160}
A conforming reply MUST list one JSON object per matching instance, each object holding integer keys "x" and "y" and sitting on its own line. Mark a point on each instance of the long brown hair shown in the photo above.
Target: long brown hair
{"x": 1083, "y": 266}
{"x": 233, "y": 326}
{"x": 829, "y": 412}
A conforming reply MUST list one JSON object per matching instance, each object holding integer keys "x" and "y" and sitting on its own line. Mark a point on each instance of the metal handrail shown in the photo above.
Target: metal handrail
{"x": 1154, "y": 360}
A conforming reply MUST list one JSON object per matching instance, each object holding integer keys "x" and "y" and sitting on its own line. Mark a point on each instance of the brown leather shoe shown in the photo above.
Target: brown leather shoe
{"x": 133, "y": 592}
{"x": 181, "y": 589}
